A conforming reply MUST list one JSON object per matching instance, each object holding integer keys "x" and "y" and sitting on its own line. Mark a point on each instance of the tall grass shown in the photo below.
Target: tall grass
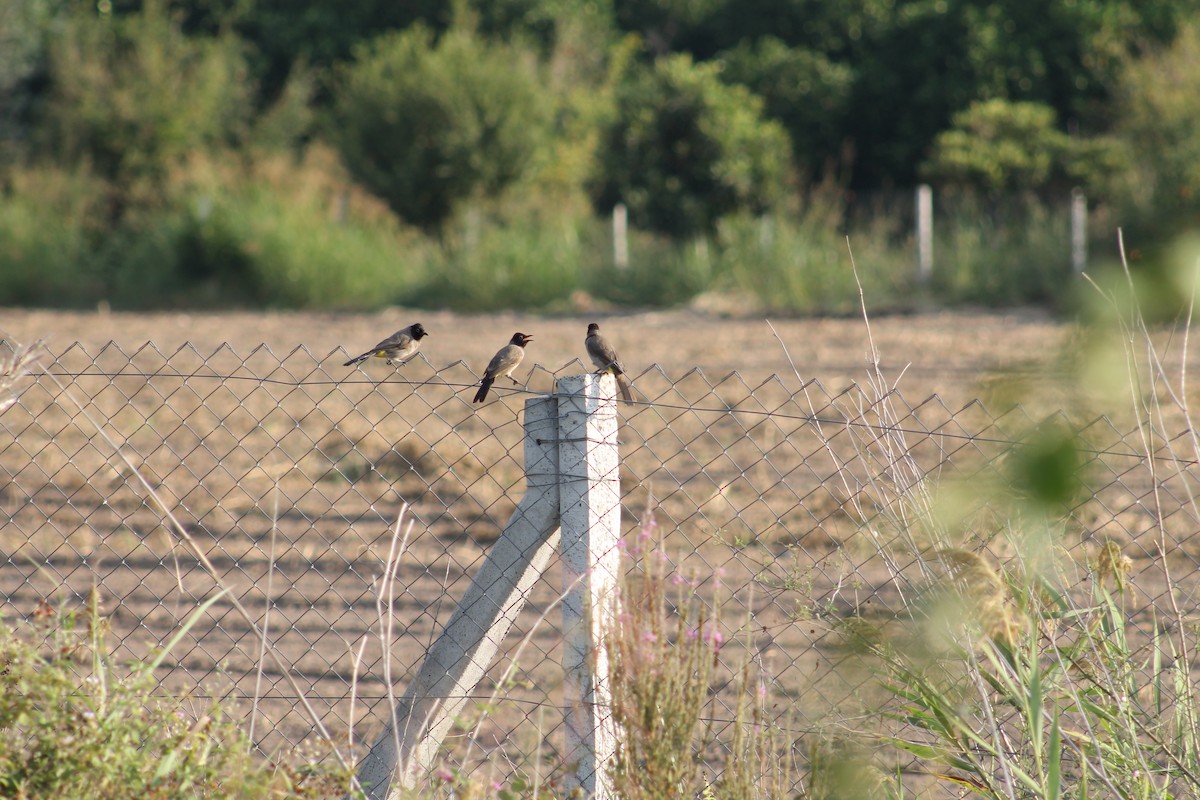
{"x": 799, "y": 265}
{"x": 1002, "y": 252}
{"x": 1003, "y": 680}
{"x": 488, "y": 262}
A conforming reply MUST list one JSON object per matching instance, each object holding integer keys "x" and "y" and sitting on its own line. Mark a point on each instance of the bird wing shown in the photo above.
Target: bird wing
{"x": 603, "y": 354}
{"x": 505, "y": 360}
{"x": 399, "y": 340}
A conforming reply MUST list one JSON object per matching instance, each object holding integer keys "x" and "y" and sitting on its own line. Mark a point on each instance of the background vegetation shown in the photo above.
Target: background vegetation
{"x": 175, "y": 153}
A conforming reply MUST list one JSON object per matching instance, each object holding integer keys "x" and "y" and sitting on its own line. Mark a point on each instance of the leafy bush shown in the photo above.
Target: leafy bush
{"x": 74, "y": 724}
{"x": 685, "y": 149}
{"x": 426, "y": 125}
{"x": 276, "y": 231}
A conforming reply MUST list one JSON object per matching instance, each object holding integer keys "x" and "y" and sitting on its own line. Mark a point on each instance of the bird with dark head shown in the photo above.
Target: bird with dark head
{"x": 399, "y": 348}
{"x": 507, "y": 359}
{"x": 605, "y": 357}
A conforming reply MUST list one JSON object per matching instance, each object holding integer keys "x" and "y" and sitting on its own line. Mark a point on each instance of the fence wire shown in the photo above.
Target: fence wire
{"x": 290, "y": 472}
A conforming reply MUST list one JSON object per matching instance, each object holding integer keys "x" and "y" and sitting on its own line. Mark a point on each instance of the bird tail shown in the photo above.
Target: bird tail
{"x": 357, "y": 359}
{"x": 484, "y": 385}
{"x": 623, "y": 385}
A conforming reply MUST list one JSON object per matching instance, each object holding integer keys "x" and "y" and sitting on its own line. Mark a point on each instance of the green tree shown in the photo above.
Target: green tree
{"x": 928, "y": 60}
{"x": 802, "y": 89}
{"x": 23, "y": 31}
{"x": 671, "y": 25}
{"x": 426, "y": 125}
{"x": 1159, "y": 117}
{"x": 685, "y": 149}
{"x": 131, "y": 97}
{"x": 316, "y": 33}
{"x": 280, "y": 35}
{"x": 998, "y": 145}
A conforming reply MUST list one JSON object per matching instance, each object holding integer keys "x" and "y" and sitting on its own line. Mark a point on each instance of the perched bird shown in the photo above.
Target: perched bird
{"x": 605, "y": 357}
{"x": 399, "y": 348}
{"x": 503, "y": 363}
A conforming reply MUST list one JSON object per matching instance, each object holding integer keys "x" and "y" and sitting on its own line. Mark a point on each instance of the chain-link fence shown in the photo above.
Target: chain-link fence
{"x": 288, "y": 474}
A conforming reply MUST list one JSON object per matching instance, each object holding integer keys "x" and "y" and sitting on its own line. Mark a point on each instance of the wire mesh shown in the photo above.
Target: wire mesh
{"x": 290, "y": 474}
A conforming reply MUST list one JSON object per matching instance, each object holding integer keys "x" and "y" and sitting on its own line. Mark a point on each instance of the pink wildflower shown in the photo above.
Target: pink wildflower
{"x": 714, "y": 638}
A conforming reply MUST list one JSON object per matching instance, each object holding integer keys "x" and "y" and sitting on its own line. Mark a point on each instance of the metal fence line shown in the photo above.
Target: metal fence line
{"x": 518, "y": 391}
{"x": 745, "y": 491}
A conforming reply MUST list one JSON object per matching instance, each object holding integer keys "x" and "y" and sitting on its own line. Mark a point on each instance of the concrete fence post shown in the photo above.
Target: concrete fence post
{"x": 572, "y": 476}
{"x": 1079, "y": 216}
{"x": 466, "y": 648}
{"x": 590, "y": 515}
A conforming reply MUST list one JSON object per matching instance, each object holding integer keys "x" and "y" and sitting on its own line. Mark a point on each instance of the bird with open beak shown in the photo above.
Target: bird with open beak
{"x": 507, "y": 359}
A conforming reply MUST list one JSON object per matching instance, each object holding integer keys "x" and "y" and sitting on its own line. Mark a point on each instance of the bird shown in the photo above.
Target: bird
{"x": 605, "y": 357}
{"x": 399, "y": 348}
{"x": 507, "y": 359}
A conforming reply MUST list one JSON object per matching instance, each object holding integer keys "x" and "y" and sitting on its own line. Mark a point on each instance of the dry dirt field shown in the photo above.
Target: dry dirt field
{"x": 288, "y": 470}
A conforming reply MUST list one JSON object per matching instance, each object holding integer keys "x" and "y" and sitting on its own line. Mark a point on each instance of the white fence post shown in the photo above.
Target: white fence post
{"x": 620, "y": 228}
{"x": 572, "y": 474}
{"x": 924, "y": 234}
{"x": 590, "y": 503}
{"x": 1078, "y": 230}
{"x": 467, "y": 646}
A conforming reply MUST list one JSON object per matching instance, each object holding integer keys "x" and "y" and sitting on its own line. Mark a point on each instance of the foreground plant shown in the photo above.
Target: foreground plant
{"x": 1012, "y": 668}
{"x": 664, "y": 655}
{"x": 1055, "y": 703}
{"x": 75, "y": 724}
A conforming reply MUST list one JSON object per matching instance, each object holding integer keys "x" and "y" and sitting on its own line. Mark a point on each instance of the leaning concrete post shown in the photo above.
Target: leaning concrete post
{"x": 590, "y": 502}
{"x": 467, "y": 646}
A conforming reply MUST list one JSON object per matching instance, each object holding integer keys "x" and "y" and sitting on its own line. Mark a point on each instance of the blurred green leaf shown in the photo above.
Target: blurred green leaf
{"x": 1046, "y": 467}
